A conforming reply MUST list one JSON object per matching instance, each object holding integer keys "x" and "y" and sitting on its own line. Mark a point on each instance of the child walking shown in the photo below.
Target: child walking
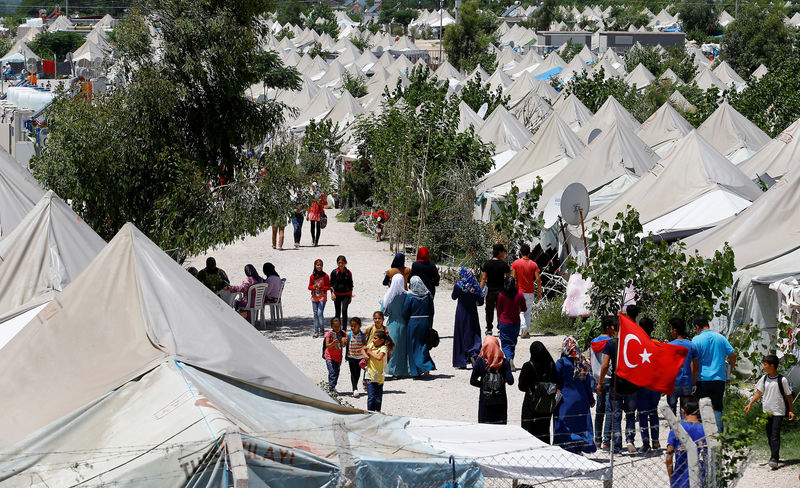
{"x": 341, "y": 288}
{"x": 678, "y": 471}
{"x": 777, "y": 403}
{"x": 376, "y": 353}
{"x": 319, "y": 284}
{"x": 335, "y": 341}
{"x": 356, "y": 340}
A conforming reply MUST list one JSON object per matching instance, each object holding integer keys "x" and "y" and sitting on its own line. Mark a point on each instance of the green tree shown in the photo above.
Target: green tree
{"x": 698, "y": 18}
{"x": 355, "y": 84}
{"x": 545, "y": 15}
{"x": 757, "y": 36}
{"x": 704, "y": 101}
{"x": 648, "y": 56}
{"x": 402, "y": 16}
{"x": 516, "y": 220}
{"x": 470, "y": 36}
{"x": 678, "y": 60}
{"x": 474, "y": 94}
{"x": 289, "y": 12}
{"x": 625, "y": 17}
{"x": 321, "y": 19}
{"x": 148, "y": 152}
{"x": 48, "y": 44}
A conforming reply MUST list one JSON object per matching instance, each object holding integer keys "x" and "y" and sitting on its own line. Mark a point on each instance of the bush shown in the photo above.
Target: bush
{"x": 546, "y": 318}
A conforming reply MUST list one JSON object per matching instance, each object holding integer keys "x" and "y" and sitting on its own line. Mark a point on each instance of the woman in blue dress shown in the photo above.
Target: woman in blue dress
{"x": 572, "y": 425}
{"x": 418, "y": 311}
{"x": 392, "y": 307}
{"x": 467, "y": 332}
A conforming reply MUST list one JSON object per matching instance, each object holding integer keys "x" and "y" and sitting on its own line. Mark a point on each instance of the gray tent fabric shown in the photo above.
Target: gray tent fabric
{"x": 131, "y": 309}
{"x": 573, "y": 112}
{"x": 504, "y": 130}
{"x": 611, "y": 112}
{"x": 778, "y": 156}
{"x": 765, "y": 231}
{"x": 732, "y": 134}
{"x": 693, "y": 169}
{"x": 663, "y": 129}
{"x": 43, "y": 254}
{"x": 19, "y": 192}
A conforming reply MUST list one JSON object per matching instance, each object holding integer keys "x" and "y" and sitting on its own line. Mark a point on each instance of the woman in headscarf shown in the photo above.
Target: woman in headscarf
{"x": 491, "y": 374}
{"x": 251, "y": 278}
{"x": 392, "y": 307}
{"x": 425, "y": 269}
{"x": 467, "y": 332}
{"x": 572, "y": 425}
{"x": 510, "y": 304}
{"x": 273, "y": 281}
{"x": 398, "y": 267}
{"x": 418, "y": 311}
{"x": 540, "y": 369}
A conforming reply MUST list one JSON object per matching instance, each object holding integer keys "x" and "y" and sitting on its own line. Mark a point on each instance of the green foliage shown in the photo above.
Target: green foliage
{"x": 355, "y": 84}
{"x": 47, "y": 44}
{"x": 593, "y": 90}
{"x": 678, "y": 60}
{"x": 516, "y": 220}
{"x": 704, "y": 101}
{"x": 487, "y": 61}
{"x": 362, "y": 41}
{"x": 753, "y": 343}
{"x": 322, "y": 11}
{"x": 666, "y": 281}
{"x": 402, "y": 16}
{"x": 742, "y": 431}
{"x": 626, "y": 17}
{"x": 699, "y": 18}
{"x": 423, "y": 171}
{"x": 5, "y": 44}
{"x": 757, "y": 36}
{"x": 285, "y": 32}
{"x": 474, "y": 94}
{"x": 317, "y": 50}
{"x": 470, "y": 36}
{"x": 546, "y": 15}
{"x": 547, "y": 318}
{"x": 160, "y": 161}
{"x": 289, "y": 12}
{"x": 570, "y": 50}
{"x": 648, "y": 56}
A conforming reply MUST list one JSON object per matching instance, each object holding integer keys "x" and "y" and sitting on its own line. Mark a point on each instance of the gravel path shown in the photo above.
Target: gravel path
{"x": 446, "y": 393}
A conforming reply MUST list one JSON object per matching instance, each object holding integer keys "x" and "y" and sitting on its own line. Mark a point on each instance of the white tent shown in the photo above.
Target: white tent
{"x": 725, "y": 18}
{"x": 334, "y": 76}
{"x": 499, "y": 80}
{"x": 777, "y": 157}
{"x": 60, "y": 24}
{"x": 504, "y": 131}
{"x": 678, "y": 100}
{"x": 89, "y": 54}
{"x": 760, "y": 72}
{"x": 732, "y": 134}
{"x": 707, "y": 80}
{"x": 448, "y": 73}
{"x": 573, "y": 112}
{"x": 43, "y": 253}
{"x": 663, "y": 129}
{"x": 345, "y": 111}
{"x": 671, "y": 77}
{"x": 467, "y": 117}
{"x": 20, "y": 52}
{"x": 611, "y": 112}
{"x": 727, "y": 75}
{"x": 640, "y": 77}
{"x": 532, "y": 111}
{"x": 19, "y": 193}
{"x": 521, "y": 87}
{"x": 316, "y": 110}
{"x": 366, "y": 61}
{"x": 691, "y": 188}
{"x": 613, "y": 59}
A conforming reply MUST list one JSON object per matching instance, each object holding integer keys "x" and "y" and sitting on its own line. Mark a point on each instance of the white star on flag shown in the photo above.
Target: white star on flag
{"x": 645, "y": 356}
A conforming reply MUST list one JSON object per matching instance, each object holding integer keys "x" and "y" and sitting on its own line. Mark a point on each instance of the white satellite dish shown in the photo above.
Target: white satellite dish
{"x": 574, "y": 207}
{"x": 482, "y": 110}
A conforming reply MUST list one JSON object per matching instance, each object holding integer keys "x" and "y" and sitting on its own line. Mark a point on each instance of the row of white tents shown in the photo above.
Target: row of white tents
{"x": 120, "y": 368}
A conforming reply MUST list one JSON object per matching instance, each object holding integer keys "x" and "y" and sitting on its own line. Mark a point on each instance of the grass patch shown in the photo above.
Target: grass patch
{"x": 547, "y": 318}
{"x": 737, "y": 421}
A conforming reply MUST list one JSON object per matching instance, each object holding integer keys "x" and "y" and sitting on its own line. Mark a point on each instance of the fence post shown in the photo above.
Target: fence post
{"x": 233, "y": 443}
{"x": 710, "y": 428}
{"x": 347, "y": 479}
{"x": 688, "y": 443}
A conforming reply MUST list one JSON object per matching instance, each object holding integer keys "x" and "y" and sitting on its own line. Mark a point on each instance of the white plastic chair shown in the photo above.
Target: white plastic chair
{"x": 255, "y": 302}
{"x": 276, "y": 307}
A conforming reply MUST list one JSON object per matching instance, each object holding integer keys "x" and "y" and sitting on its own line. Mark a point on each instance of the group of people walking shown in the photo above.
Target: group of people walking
{"x": 315, "y": 214}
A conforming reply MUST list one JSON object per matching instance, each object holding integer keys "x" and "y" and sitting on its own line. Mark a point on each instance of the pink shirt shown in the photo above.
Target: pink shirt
{"x": 508, "y": 309}
{"x": 334, "y": 353}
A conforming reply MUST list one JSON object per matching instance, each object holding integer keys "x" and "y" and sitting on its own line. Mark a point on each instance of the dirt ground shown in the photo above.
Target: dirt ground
{"x": 446, "y": 393}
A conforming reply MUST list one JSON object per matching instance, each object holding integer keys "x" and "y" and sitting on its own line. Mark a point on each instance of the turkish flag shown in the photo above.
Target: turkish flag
{"x": 645, "y": 362}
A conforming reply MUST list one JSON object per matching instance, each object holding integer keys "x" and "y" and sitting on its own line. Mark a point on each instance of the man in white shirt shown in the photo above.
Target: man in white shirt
{"x": 777, "y": 403}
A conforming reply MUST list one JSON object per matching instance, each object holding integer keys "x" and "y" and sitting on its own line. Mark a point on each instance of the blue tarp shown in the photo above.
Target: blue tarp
{"x": 549, "y": 74}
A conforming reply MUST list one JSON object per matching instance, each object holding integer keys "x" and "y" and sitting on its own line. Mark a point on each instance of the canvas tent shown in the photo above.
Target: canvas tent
{"x": 732, "y": 134}
{"x": 663, "y": 129}
{"x": 691, "y": 188}
{"x": 19, "y": 192}
{"x": 20, "y": 52}
{"x": 151, "y": 380}
{"x": 504, "y": 131}
{"x": 573, "y": 112}
{"x": 777, "y": 157}
{"x": 611, "y": 112}
{"x": 46, "y": 251}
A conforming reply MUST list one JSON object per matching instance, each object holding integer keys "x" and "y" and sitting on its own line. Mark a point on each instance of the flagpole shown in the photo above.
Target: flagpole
{"x": 614, "y": 413}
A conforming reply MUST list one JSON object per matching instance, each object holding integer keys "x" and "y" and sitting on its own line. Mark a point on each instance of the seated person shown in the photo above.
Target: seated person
{"x": 273, "y": 281}
{"x": 214, "y": 278}
{"x": 252, "y": 278}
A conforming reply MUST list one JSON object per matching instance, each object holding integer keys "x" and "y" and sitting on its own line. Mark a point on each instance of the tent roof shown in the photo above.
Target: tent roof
{"x": 611, "y": 112}
{"x": 499, "y": 80}
{"x": 692, "y": 169}
{"x": 504, "y": 130}
{"x": 467, "y": 117}
{"x": 573, "y": 112}
{"x": 663, "y": 129}
{"x": 732, "y": 134}
{"x": 46, "y": 251}
{"x": 681, "y": 102}
{"x": 669, "y": 75}
{"x": 640, "y": 77}
{"x": 727, "y": 75}
{"x": 706, "y": 80}
{"x": 553, "y": 142}
{"x": 89, "y": 51}
{"x": 447, "y": 71}
{"x": 20, "y": 47}
{"x": 760, "y": 71}
{"x": 19, "y": 193}
{"x": 100, "y": 334}
{"x": 346, "y": 110}
{"x": 317, "y": 108}
{"x": 766, "y": 230}
{"x": 60, "y": 24}
{"x": 778, "y": 156}
{"x": 614, "y": 153}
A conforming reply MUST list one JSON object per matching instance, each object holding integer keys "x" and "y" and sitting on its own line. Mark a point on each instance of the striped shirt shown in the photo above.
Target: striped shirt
{"x": 355, "y": 345}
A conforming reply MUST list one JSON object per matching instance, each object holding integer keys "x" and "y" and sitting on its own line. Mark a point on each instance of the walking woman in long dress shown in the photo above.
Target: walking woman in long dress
{"x": 572, "y": 426}
{"x": 540, "y": 369}
{"x": 392, "y": 307}
{"x": 418, "y": 311}
{"x": 467, "y": 332}
{"x": 492, "y": 372}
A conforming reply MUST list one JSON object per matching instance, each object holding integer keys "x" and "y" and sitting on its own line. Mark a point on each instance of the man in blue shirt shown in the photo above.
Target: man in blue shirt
{"x": 678, "y": 470}
{"x": 712, "y": 350}
{"x": 687, "y": 376}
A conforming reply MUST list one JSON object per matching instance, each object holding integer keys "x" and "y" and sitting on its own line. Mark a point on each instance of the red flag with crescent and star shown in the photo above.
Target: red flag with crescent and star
{"x": 645, "y": 362}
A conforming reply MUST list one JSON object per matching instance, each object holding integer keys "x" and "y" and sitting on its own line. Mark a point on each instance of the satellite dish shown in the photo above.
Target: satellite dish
{"x": 574, "y": 203}
{"x": 261, "y": 99}
{"x": 593, "y": 135}
{"x": 482, "y": 110}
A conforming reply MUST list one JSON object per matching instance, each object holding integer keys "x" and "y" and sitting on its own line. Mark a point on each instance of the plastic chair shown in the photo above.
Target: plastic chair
{"x": 255, "y": 302}
{"x": 276, "y": 307}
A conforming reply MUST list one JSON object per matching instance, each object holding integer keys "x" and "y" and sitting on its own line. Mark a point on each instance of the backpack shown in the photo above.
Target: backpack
{"x": 783, "y": 392}
{"x": 544, "y": 396}
{"x": 340, "y": 282}
{"x": 493, "y": 388}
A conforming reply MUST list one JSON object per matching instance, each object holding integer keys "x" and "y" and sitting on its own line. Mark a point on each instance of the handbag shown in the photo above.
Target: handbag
{"x": 323, "y": 221}
{"x": 433, "y": 338}
{"x": 363, "y": 363}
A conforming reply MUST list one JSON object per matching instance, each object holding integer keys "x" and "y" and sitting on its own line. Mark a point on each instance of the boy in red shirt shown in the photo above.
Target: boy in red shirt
{"x": 526, "y": 272}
